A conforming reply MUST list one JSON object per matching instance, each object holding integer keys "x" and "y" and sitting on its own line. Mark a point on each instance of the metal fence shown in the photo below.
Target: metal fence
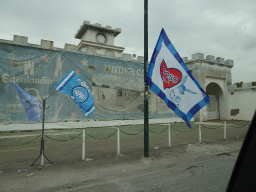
{"x": 169, "y": 128}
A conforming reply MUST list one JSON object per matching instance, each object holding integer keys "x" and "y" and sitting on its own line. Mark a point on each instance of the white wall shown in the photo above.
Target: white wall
{"x": 245, "y": 101}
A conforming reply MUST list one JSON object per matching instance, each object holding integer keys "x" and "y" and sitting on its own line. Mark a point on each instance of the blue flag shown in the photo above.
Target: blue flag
{"x": 170, "y": 79}
{"x": 75, "y": 87}
{"x": 30, "y": 104}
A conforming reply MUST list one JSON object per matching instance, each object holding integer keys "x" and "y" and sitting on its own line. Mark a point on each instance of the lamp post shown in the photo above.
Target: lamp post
{"x": 146, "y": 132}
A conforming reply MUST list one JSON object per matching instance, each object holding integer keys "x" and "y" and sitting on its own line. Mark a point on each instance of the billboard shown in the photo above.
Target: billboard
{"x": 117, "y": 85}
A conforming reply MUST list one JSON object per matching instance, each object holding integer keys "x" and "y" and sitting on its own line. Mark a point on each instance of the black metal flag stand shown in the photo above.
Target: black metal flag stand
{"x": 42, "y": 137}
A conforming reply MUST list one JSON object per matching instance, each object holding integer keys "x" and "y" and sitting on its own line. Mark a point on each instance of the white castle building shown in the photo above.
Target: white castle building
{"x": 227, "y": 100}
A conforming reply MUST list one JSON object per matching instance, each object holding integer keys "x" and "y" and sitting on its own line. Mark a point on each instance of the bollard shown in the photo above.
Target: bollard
{"x": 169, "y": 135}
{"x": 225, "y": 131}
{"x": 200, "y": 141}
{"x": 118, "y": 142}
{"x": 83, "y": 146}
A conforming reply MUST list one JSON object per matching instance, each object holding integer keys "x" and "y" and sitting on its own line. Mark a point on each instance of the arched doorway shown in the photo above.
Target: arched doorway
{"x": 213, "y": 108}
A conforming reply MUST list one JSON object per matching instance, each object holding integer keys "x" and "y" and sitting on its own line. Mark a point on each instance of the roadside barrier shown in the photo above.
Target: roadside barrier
{"x": 169, "y": 135}
{"x": 118, "y": 137}
{"x": 22, "y": 143}
{"x": 246, "y": 124}
{"x": 180, "y": 130}
{"x": 214, "y": 127}
{"x": 158, "y": 132}
{"x": 200, "y": 131}
{"x": 83, "y": 146}
{"x": 200, "y": 135}
{"x": 132, "y": 134}
{"x": 101, "y": 138}
{"x": 118, "y": 141}
{"x": 65, "y": 139}
{"x": 118, "y": 130}
{"x": 224, "y": 128}
{"x": 83, "y": 140}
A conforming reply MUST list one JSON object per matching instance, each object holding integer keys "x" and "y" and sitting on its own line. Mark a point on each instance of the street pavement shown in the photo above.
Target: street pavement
{"x": 186, "y": 166}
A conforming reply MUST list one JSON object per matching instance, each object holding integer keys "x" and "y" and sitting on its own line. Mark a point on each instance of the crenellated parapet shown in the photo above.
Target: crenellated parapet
{"x": 106, "y": 48}
{"x": 95, "y": 40}
{"x": 84, "y": 32}
{"x": 242, "y": 87}
{"x": 216, "y": 69}
{"x": 47, "y": 44}
{"x": 199, "y": 58}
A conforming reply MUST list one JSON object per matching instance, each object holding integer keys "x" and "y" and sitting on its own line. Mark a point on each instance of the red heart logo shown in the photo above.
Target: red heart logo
{"x": 170, "y": 77}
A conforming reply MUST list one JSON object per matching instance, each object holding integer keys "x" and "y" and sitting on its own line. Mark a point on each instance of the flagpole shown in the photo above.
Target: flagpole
{"x": 146, "y": 132}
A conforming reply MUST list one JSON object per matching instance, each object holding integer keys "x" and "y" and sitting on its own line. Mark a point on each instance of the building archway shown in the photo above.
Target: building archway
{"x": 214, "y": 107}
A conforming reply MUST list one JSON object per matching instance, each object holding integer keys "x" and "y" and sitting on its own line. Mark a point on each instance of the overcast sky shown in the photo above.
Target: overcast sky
{"x": 222, "y": 28}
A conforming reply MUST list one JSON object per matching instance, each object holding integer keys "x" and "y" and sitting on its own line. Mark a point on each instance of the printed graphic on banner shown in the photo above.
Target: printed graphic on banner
{"x": 75, "y": 87}
{"x": 170, "y": 79}
{"x": 30, "y": 104}
{"x": 116, "y": 85}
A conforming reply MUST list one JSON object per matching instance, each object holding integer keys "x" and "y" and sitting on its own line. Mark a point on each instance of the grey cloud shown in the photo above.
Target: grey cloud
{"x": 250, "y": 44}
{"x": 192, "y": 25}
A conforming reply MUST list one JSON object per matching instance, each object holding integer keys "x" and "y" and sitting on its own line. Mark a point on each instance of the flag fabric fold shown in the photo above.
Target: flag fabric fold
{"x": 75, "y": 87}
{"x": 170, "y": 79}
{"x": 30, "y": 104}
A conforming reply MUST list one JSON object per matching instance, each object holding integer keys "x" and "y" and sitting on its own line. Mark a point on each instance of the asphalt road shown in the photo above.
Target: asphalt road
{"x": 194, "y": 167}
{"x": 209, "y": 174}
{"x": 206, "y": 175}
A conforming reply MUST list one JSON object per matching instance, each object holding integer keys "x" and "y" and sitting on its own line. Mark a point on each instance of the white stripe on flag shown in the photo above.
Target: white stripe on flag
{"x": 64, "y": 81}
{"x": 90, "y": 111}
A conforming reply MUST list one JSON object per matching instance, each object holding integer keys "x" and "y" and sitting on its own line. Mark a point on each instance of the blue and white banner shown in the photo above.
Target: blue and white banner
{"x": 171, "y": 80}
{"x": 75, "y": 87}
{"x": 30, "y": 104}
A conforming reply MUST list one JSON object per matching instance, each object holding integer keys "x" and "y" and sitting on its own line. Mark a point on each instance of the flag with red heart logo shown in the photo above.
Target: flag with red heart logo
{"x": 170, "y": 79}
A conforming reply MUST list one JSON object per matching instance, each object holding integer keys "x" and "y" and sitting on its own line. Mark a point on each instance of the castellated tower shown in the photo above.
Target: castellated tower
{"x": 214, "y": 75}
{"x": 98, "y": 40}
